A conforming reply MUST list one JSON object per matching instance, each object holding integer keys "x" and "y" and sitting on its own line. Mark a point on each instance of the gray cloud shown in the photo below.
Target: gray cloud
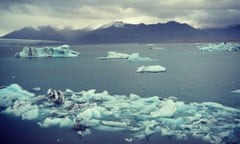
{"x": 82, "y": 13}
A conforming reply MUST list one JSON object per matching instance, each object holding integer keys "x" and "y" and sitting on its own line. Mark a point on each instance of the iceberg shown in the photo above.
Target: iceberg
{"x": 59, "y": 51}
{"x": 236, "y": 91}
{"x": 166, "y": 110}
{"x": 129, "y": 57}
{"x": 219, "y": 47}
{"x": 12, "y": 93}
{"x": 151, "y": 69}
{"x": 136, "y": 57}
{"x": 36, "y": 88}
{"x": 23, "y": 109}
{"x": 140, "y": 116}
{"x": 61, "y": 122}
{"x": 115, "y": 55}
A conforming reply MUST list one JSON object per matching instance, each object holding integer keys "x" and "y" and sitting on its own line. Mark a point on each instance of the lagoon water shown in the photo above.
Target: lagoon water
{"x": 191, "y": 76}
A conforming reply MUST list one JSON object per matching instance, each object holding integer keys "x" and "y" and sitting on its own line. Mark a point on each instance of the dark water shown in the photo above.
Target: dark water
{"x": 191, "y": 76}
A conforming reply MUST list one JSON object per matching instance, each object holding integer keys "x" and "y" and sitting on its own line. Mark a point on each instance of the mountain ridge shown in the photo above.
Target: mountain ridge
{"x": 119, "y": 32}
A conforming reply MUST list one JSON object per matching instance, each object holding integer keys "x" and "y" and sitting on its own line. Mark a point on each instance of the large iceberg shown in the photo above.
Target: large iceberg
{"x": 219, "y": 47}
{"x": 59, "y": 51}
{"x": 129, "y": 57}
{"x": 140, "y": 116}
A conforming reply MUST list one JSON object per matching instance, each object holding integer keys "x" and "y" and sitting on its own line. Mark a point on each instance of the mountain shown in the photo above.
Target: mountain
{"x": 171, "y": 31}
{"x": 119, "y": 32}
{"x": 41, "y": 33}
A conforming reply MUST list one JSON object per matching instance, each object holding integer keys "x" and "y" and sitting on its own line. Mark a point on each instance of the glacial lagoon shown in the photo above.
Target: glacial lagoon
{"x": 195, "y": 100}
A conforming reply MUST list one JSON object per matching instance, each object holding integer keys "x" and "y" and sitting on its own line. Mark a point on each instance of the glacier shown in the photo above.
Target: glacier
{"x": 229, "y": 46}
{"x": 57, "y": 51}
{"x": 140, "y": 116}
{"x": 129, "y": 57}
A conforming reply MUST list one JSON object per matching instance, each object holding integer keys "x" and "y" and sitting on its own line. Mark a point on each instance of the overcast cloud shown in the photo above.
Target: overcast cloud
{"x": 15, "y": 14}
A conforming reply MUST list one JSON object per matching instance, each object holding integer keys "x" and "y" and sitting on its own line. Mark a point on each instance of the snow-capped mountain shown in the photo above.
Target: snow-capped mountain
{"x": 119, "y": 32}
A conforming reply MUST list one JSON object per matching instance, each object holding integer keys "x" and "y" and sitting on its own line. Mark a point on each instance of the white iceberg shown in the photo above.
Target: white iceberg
{"x": 24, "y": 109}
{"x": 151, "y": 69}
{"x": 128, "y": 139}
{"x": 115, "y": 55}
{"x": 36, "y": 88}
{"x": 12, "y": 93}
{"x": 136, "y": 57}
{"x": 59, "y": 51}
{"x": 129, "y": 57}
{"x": 236, "y": 91}
{"x": 219, "y": 47}
{"x": 61, "y": 122}
{"x": 167, "y": 109}
{"x": 139, "y": 116}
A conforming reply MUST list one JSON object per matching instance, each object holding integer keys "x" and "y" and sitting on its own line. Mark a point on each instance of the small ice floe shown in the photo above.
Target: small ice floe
{"x": 236, "y": 91}
{"x": 53, "y": 51}
{"x": 128, "y": 139}
{"x": 12, "y": 93}
{"x": 129, "y": 57}
{"x": 156, "y": 48}
{"x": 25, "y": 109}
{"x": 166, "y": 110}
{"x": 36, "y": 88}
{"x": 137, "y": 58}
{"x": 52, "y": 121}
{"x": 85, "y": 132}
{"x": 224, "y": 46}
{"x": 115, "y": 55}
{"x": 151, "y": 69}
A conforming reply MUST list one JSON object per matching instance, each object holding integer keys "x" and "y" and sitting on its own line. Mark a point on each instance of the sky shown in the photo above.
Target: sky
{"x": 77, "y": 14}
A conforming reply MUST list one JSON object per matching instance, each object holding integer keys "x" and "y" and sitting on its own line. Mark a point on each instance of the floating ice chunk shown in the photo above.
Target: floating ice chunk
{"x": 219, "y": 47}
{"x": 84, "y": 133}
{"x": 61, "y": 122}
{"x": 23, "y": 109}
{"x": 151, "y": 68}
{"x": 36, "y": 88}
{"x": 167, "y": 109}
{"x": 92, "y": 113}
{"x": 109, "y": 128}
{"x": 67, "y": 122}
{"x": 128, "y": 139}
{"x": 59, "y": 51}
{"x": 69, "y": 92}
{"x": 32, "y": 113}
{"x": 114, "y": 124}
{"x": 136, "y": 57}
{"x": 50, "y": 122}
{"x": 115, "y": 55}
{"x": 236, "y": 91}
{"x": 129, "y": 57}
{"x": 12, "y": 93}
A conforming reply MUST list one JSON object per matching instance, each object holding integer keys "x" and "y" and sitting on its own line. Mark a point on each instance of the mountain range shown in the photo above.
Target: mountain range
{"x": 119, "y": 32}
